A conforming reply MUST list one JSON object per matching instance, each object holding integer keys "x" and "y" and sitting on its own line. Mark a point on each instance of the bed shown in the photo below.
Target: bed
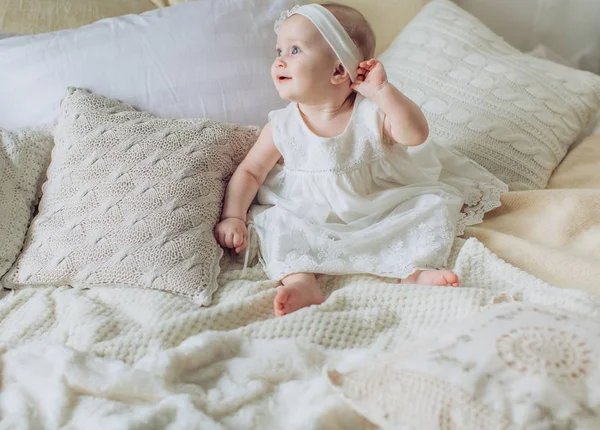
{"x": 516, "y": 346}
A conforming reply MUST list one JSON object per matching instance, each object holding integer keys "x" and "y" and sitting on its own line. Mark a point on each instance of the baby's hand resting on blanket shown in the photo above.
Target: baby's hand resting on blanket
{"x": 232, "y": 233}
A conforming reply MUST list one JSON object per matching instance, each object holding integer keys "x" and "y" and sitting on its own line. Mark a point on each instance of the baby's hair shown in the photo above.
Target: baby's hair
{"x": 357, "y": 27}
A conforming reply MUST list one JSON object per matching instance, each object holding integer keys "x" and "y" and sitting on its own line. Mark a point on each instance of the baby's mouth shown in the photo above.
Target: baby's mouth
{"x": 283, "y": 78}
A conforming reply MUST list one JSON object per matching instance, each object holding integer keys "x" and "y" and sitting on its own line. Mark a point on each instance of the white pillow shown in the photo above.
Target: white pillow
{"x": 24, "y": 157}
{"x": 200, "y": 59}
{"x": 516, "y": 366}
{"x": 514, "y": 114}
{"x": 131, "y": 200}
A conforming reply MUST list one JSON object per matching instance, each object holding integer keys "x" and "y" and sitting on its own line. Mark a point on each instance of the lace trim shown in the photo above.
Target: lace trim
{"x": 342, "y": 168}
{"x": 284, "y": 15}
{"x": 279, "y": 271}
{"x": 294, "y": 248}
{"x": 390, "y": 261}
{"x": 480, "y": 199}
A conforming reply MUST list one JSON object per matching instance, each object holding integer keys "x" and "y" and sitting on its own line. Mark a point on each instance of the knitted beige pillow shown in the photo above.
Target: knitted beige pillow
{"x": 131, "y": 200}
{"x": 514, "y": 114}
{"x": 24, "y": 157}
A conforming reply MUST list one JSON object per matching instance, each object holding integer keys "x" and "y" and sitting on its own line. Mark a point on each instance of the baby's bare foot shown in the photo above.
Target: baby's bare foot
{"x": 297, "y": 295}
{"x": 443, "y": 278}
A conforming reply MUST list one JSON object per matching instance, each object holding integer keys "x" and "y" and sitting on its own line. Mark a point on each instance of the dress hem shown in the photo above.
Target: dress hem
{"x": 481, "y": 199}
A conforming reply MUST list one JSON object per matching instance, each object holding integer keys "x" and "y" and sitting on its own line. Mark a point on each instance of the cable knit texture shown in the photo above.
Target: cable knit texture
{"x": 514, "y": 114}
{"x": 131, "y": 200}
{"x": 24, "y": 157}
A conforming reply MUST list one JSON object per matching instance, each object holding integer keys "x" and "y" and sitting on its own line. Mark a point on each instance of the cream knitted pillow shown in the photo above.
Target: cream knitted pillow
{"x": 131, "y": 200}
{"x": 24, "y": 157}
{"x": 514, "y": 114}
{"x": 517, "y": 366}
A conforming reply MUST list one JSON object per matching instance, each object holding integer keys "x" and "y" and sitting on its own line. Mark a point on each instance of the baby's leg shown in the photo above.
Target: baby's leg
{"x": 298, "y": 291}
{"x": 444, "y": 278}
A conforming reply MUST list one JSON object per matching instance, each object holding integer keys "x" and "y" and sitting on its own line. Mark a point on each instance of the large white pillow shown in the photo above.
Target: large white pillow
{"x": 200, "y": 59}
{"x": 131, "y": 200}
{"x": 514, "y": 114}
{"x": 24, "y": 157}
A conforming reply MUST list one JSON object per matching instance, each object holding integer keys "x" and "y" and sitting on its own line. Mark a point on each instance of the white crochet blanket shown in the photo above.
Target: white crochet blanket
{"x": 127, "y": 358}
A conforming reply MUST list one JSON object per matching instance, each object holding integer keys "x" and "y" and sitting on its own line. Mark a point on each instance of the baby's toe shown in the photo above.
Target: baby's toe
{"x": 450, "y": 277}
{"x": 279, "y": 304}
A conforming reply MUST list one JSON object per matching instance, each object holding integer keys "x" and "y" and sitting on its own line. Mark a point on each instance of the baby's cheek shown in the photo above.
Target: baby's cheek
{"x": 314, "y": 73}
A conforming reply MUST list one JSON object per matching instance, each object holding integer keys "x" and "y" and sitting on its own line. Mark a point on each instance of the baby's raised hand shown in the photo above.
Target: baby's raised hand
{"x": 371, "y": 78}
{"x": 232, "y": 233}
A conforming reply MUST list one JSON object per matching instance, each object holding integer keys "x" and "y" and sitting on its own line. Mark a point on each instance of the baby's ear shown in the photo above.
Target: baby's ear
{"x": 340, "y": 75}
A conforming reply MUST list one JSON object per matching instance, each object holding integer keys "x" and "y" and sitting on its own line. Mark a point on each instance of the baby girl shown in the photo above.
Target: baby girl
{"x": 345, "y": 180}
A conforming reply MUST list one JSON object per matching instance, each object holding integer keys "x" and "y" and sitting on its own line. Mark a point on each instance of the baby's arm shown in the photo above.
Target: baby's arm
{"x": 404, "y": 122}
{"x": 242, "y": 188}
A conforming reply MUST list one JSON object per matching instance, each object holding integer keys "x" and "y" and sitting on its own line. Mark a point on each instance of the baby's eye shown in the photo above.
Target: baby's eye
{"x": 295, "y": 50}
{"x": 279, "y": 52}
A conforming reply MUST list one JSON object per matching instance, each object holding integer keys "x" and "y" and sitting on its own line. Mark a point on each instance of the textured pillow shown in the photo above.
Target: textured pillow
{"x": 24, "y": 157}
{"x": 38, "y": 16}
{"x": 514, "y": 114}
{"x": 208, "y": 59}
{"x": 387, "y": 17}
{"x": 131, "y": 200}
{"x": 516, "y": 366}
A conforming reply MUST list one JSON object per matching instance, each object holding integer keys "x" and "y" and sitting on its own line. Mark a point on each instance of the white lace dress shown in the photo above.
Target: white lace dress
{"x": 360, "y": 203}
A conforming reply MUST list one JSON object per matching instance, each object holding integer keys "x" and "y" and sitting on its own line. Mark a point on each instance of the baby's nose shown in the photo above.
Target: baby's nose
{"x": 280, "y": 63}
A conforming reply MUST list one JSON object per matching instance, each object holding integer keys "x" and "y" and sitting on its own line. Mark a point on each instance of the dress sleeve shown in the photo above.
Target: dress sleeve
{"x": 374, "y": 119}
{"x": 275, "y": 119}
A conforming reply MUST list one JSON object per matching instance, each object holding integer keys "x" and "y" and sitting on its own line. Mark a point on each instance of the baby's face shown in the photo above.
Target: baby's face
{"x": 305, "y": 62}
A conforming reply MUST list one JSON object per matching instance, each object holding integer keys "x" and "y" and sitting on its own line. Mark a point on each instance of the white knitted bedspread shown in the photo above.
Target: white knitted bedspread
{"x": 126, "y": 358}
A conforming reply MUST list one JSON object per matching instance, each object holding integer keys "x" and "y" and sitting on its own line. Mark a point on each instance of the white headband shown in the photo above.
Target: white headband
{"x": 332, "y": 31}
